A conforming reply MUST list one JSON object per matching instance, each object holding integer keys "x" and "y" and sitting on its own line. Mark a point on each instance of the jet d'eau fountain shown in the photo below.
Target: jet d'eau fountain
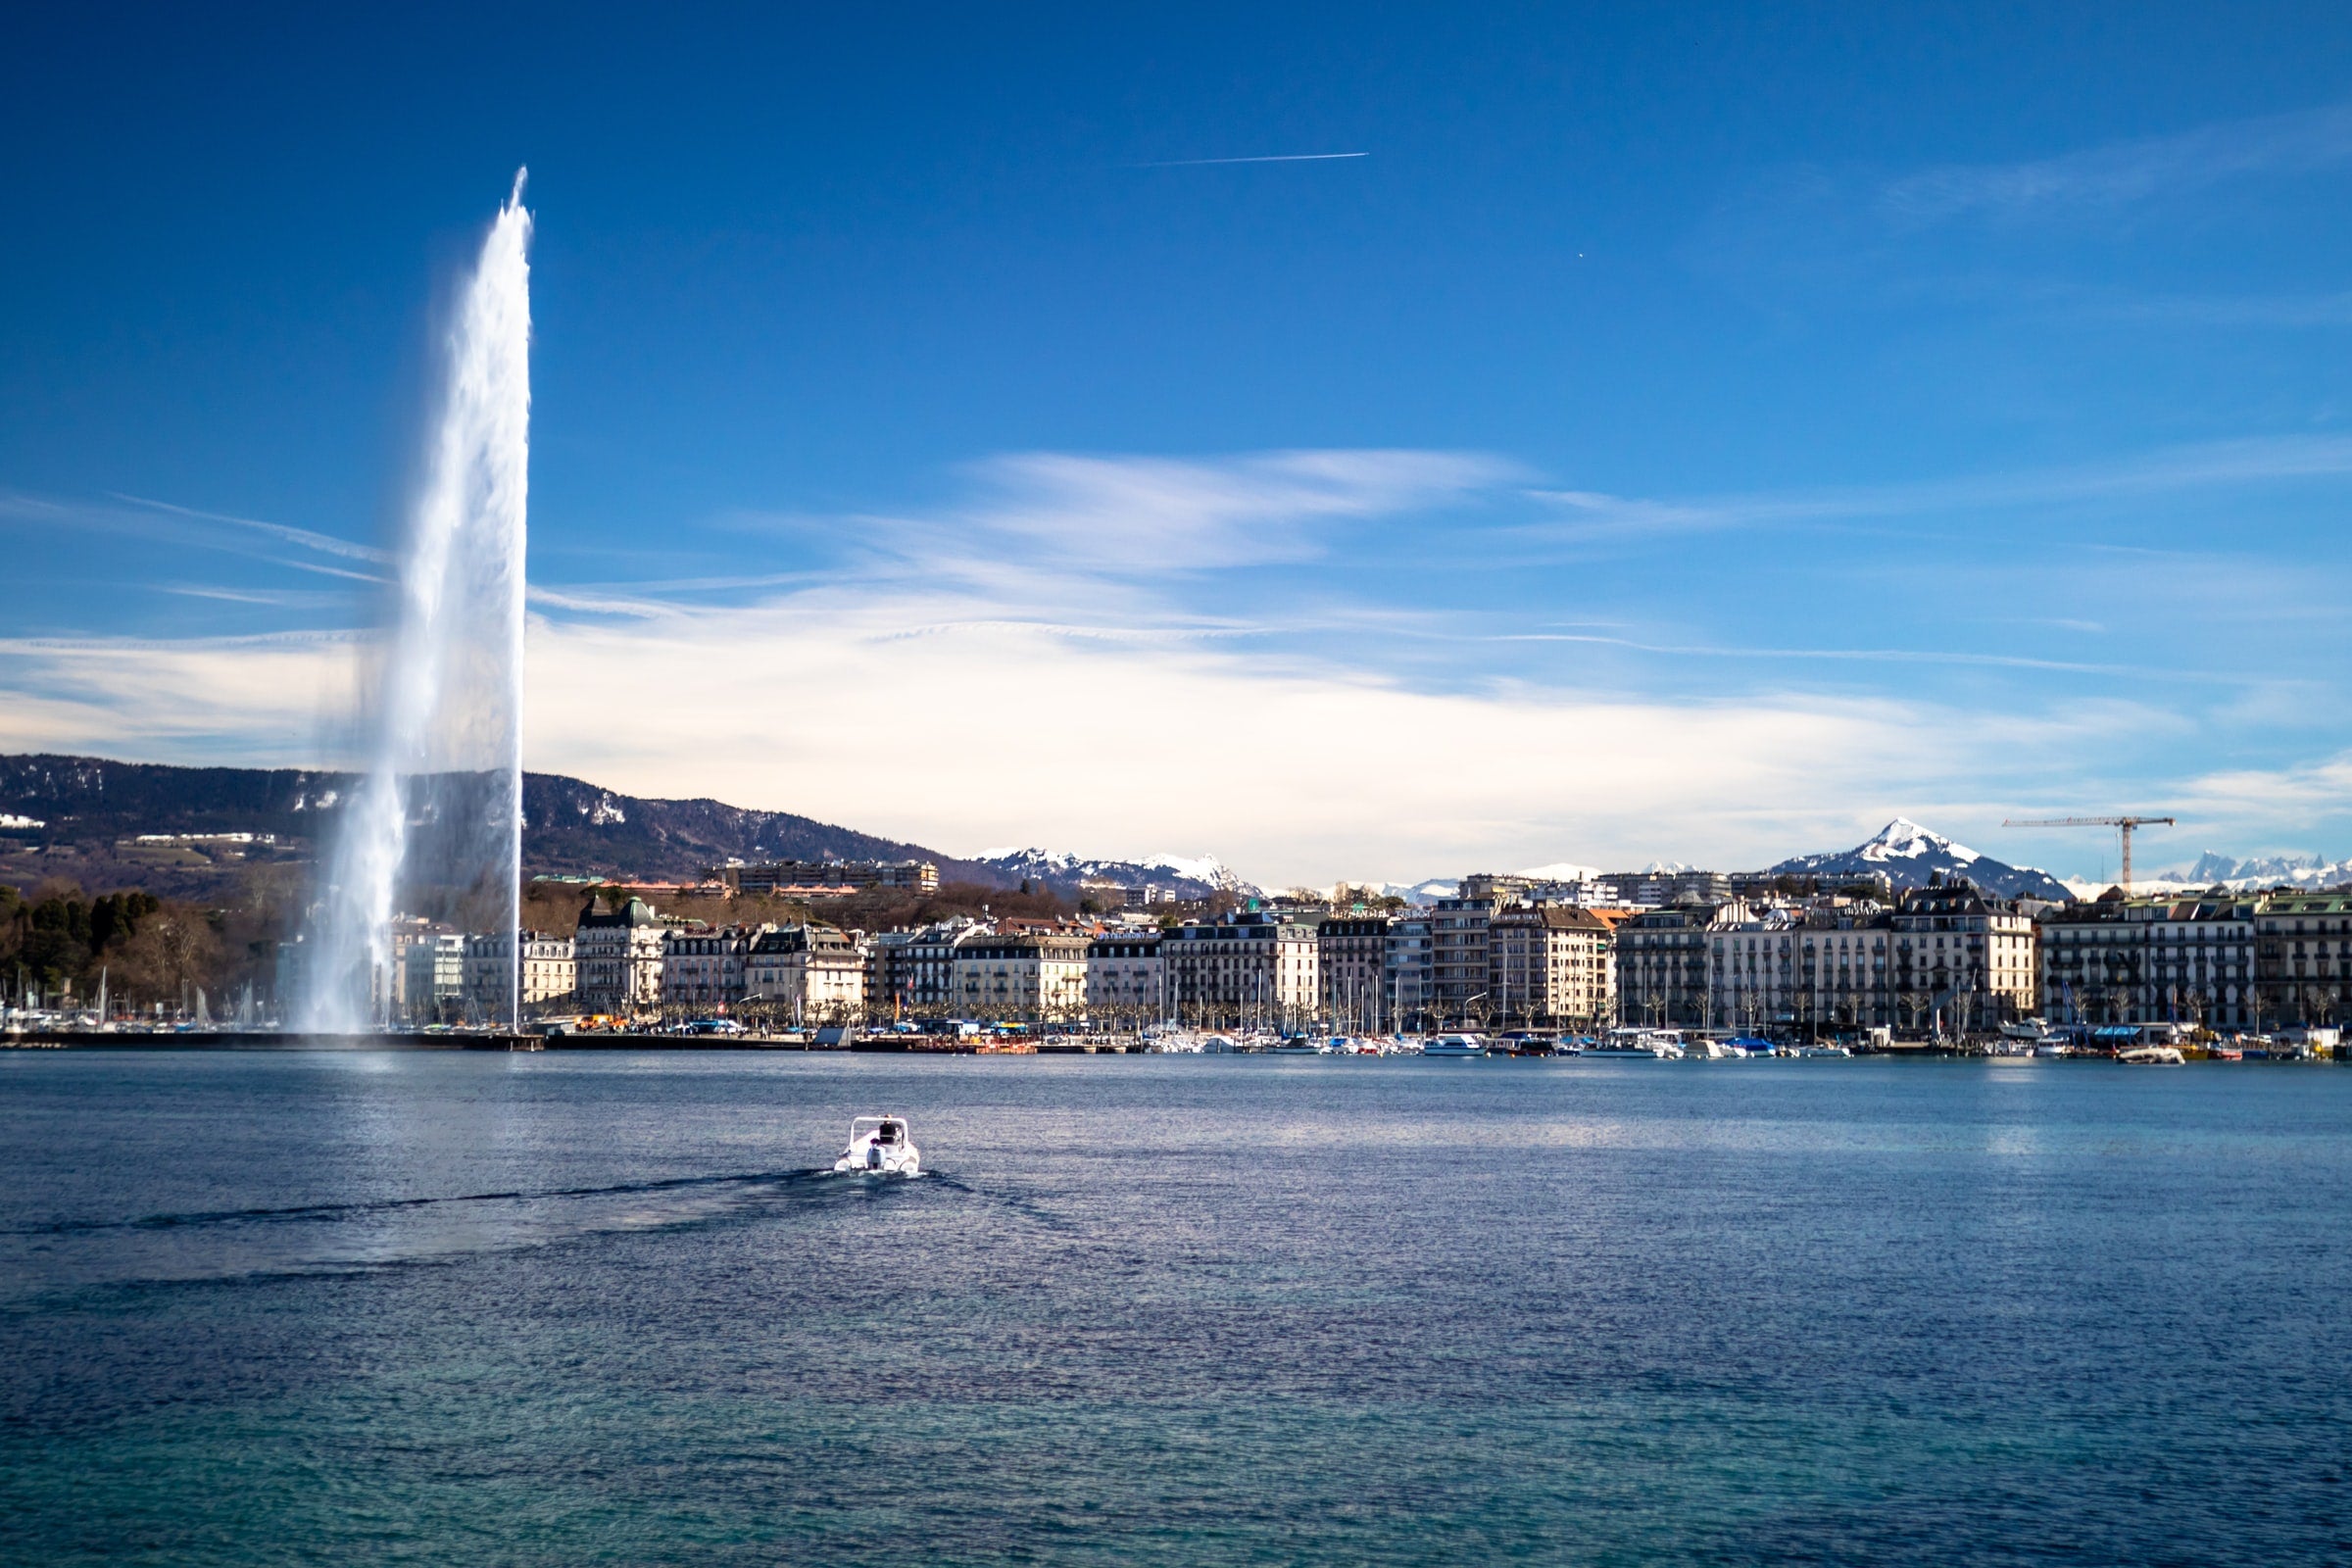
{"x": 435, "y": 830}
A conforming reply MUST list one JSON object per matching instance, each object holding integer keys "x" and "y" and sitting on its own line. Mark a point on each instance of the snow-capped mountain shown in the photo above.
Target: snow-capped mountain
{"x": 2262, "y": 871}
{"x": 1187, "y": 875}
{"x": 1561, "y": 871}
{"x": 1909, "y": 854}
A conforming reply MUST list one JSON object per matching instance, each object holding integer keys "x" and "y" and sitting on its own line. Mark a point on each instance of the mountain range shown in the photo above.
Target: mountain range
{"x": 2268, "y": 871}
{"x": 1186, "y": 876}
{"x": 76, "y": 815}
{"x": 1909, "y": 854}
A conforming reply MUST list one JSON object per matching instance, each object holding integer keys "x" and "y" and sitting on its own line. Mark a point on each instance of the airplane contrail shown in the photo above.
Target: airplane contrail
{"x": 1278, "y": 158}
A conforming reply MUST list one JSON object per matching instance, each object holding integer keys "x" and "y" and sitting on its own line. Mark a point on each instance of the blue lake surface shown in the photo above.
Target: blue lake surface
{"x": 592, "y": 1308}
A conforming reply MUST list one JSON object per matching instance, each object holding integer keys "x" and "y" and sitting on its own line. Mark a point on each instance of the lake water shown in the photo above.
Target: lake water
{"x": 590, "y": 1308}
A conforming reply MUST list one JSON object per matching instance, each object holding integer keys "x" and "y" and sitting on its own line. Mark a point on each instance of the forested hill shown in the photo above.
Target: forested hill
{"x": 88, "y": 808}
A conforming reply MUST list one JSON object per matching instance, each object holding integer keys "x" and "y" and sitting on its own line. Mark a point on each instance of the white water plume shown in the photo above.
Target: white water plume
{"x": 437, "y": 827}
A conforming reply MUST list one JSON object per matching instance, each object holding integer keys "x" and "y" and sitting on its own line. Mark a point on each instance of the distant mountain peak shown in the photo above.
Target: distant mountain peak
{"x": 1905, "y": 840}
{"x": 1908, "y": 855}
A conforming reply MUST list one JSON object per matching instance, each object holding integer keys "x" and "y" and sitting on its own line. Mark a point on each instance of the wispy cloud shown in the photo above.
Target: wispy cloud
{"x": 161, "y": 520}
{"x": 2109, "y": 180}
{"x": 327, "y": 543}
{"x": 1153, "y": 515}
{"x": 2267, "y": 459}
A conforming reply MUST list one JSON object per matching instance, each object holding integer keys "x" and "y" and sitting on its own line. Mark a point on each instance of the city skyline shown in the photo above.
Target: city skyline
{"x": 1795, "y": 434}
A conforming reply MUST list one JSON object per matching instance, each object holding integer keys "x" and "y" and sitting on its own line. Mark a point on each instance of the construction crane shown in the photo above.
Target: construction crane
{"x": 2123, "y": 823}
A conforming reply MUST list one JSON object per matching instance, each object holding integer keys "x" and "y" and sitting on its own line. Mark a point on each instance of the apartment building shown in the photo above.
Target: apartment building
{"x": 1458, "y": 929}
{"x": 1125, "y": 979}
{"x": 1030, "y": 977}
{"x": 1241, "y": 969}
{"x": 1662, "y": 967}
{"x": 810, "y": 974}
{"x": 548, "y": 972}
{"x": 2223, "y": 959}
{"x": 1351, "y": 966}
{"x": 1547, "y": 966}
{"x": 433, "y": 978}
{"x": 2303, "y": 958}
{"x": 617, "y": 954}
{"x": 1967, "y": 955}
{"x": 705, "y": 968}
{"x": 1412, "y": 973}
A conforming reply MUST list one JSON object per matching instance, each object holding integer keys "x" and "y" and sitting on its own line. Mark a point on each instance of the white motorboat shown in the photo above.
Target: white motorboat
{"x": 1650, "y": 1044}
{"x": 2152, "y": 1056}
{"x": 879, "y": 1146}
{"x": 1455, "y": 1046}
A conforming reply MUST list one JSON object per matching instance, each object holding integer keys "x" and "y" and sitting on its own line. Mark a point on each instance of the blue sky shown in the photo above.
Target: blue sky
{"x": 1680, "y": 434}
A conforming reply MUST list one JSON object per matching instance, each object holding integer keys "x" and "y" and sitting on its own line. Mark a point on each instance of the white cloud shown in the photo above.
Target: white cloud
{"x": 1023, "y": 670}
{"x": 2201, "y": 465}
{"x": 2110, "y": 178}
{"x": 1151, "y": 514}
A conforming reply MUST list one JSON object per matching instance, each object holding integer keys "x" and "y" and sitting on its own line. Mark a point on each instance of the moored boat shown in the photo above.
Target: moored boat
{"x": 1455, "y": 1046}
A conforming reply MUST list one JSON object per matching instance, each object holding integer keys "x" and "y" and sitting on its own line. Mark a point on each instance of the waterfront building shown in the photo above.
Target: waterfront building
{"x": 1245, "y": 969}
{"x": 1029, "y": 976}
{"x": 1351, "y": 964}
{"x": 702, "y": 969}
{"x": 1967, "y": 955}
{"x": 433, "y": 977}
{"x": 548, "y": 972}
{"x": 809, "y": 973}
{"x": 1458, "y": 929}
{"x": 1547, "y": 966}
{"x": 1753, "y": 969}
{"x": 1661, "y": 963}
{"x": 617, "y": 958}
{"x": 1412, "y": 968}
{"x": 2223, "y": 959}
{"x": 924, "y": 986}
{"x": 2303, "y": 958}
{"x": 888, "y": 979}
{"x": 1125, "y": 980}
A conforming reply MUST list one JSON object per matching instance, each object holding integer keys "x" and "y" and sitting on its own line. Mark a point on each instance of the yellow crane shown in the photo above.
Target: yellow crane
{"x": 2125, "y": 824}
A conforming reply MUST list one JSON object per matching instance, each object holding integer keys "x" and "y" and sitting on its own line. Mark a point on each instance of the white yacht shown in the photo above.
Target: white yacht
{"x": 1455, "y": 1046}
{"x": 879, "y": 1144}
{"x": 1649, "y": 1043}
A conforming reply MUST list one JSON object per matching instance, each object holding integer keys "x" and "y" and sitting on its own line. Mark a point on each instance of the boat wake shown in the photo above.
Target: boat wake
{"x": 372, "y": 1235}
{"x": 334, "y": 1211}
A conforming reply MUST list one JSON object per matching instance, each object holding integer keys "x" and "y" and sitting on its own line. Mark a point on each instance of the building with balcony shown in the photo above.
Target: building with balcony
{"x": 1126, "y": 982}
{"x": 809, "y": 973}
{"x": 1242, "y": 970}
{"x": 1351, "y": 964}
{"x": 617, "y": 954}
{"x": 1548, "y": 968}
{"x": 703, "y": 969}
{"x": 1025, "y": 977}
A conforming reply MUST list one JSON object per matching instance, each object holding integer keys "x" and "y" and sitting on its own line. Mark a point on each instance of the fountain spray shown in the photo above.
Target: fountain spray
{"x": 436, "y": 825}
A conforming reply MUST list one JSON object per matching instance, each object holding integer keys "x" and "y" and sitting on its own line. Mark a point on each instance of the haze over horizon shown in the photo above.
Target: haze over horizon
{"x": 1361, "y": 447}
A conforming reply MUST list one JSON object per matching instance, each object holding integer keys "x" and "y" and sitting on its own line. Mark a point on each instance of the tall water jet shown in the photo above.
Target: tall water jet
{"x": 435, "y": 829}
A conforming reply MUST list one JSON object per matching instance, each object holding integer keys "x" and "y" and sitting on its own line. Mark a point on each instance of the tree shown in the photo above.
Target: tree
{"x": 175, "y": 948}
